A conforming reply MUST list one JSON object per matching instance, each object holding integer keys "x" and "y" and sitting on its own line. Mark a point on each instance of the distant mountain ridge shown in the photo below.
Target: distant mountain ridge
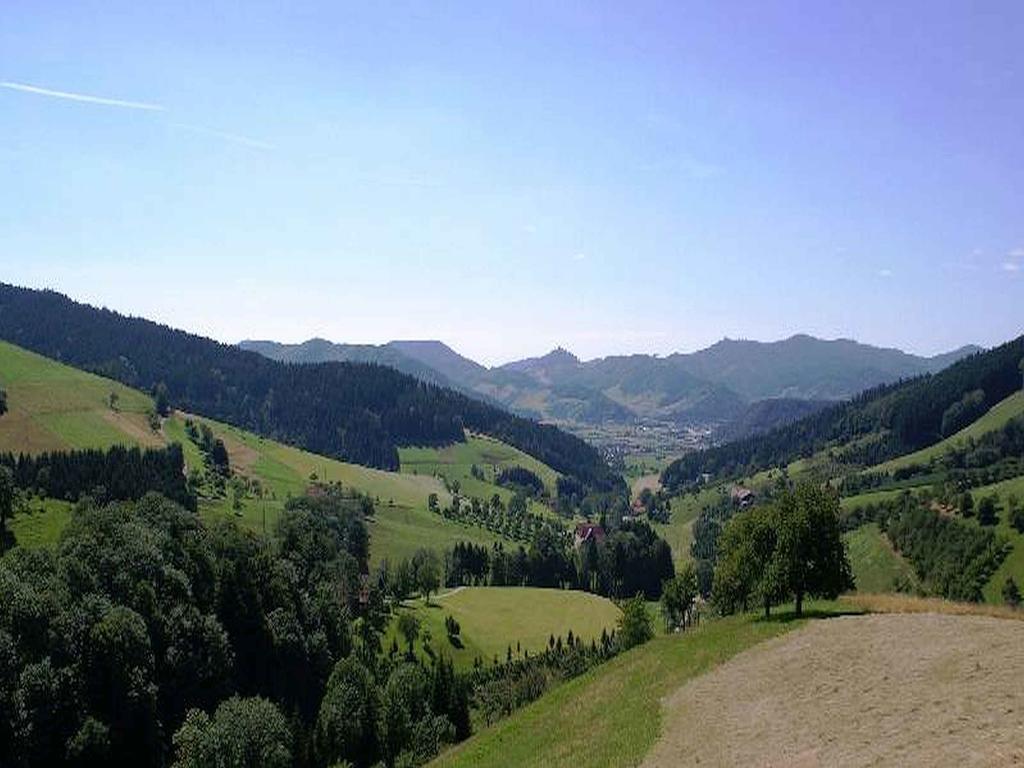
{"x": 727, "y": 384}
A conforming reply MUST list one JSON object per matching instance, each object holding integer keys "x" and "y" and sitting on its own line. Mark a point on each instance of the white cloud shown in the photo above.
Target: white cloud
{"x": 234, "y": 138}
{"x": 1011, "y": 266}
{"x": 885, "y": 273}
{"x": 82, "y": 97}
{"x": 579, "y": 256}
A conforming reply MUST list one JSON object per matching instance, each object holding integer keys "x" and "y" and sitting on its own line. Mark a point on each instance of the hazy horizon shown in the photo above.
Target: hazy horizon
{"x": 510, "y": 179}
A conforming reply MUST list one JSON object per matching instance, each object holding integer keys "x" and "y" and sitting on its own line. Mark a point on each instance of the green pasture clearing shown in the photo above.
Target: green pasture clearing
{"x": 402, "y": 522}
{"x": 54, "y": 407}
{"x": 876, "y": 565}
{"x": 493, "y": 618}
{"x": 41, "y": 523}
{"x": 455, "y": 462}
{"x": 678, "y": 532}
{"x": 611, "y": 716}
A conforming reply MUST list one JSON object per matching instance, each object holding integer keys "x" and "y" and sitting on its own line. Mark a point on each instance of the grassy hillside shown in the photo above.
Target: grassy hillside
{"x": 678, "y": 532}
{"x": 490, "y": 456}
{"x": 492, "y": 618}
{"x": 54, "y": 407}
{"x": 876, "y": 566}
{"x": 995, "y": 418}
{"x": 401, "y": 525}
{"x": 611, "y": 716}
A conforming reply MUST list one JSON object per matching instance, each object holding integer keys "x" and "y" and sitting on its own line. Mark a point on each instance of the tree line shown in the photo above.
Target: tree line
{"x": 631, "y": 560}
{"x": 352, "y": 411}
{"x": 117, "y": 474}
{"x": 903, "y": 417}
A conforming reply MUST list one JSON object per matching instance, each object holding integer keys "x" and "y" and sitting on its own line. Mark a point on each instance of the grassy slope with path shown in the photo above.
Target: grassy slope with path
{"x": 56, "y": 407}
{"x": 678, "y": 532}
{"x": 611, "y": 716}
{"x": 492, "y": 618}
{"x": 876, "y": 566}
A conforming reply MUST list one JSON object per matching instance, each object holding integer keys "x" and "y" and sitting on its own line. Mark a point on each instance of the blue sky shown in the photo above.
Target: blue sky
{"x": 627, "y": 177}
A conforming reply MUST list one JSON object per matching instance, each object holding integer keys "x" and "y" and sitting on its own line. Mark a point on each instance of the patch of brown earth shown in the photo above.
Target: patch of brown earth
{"x": 877, "y": 690}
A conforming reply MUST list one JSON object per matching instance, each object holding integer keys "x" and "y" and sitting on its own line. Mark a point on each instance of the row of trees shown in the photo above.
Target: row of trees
{"x": 116, "y": 474}
{"x": 952, "y": 558}
{"x": 358, "y": 412}
{"x": 902, "y": 417}
{"x": 630, "y": 560}
{"x": 513, "y": 522}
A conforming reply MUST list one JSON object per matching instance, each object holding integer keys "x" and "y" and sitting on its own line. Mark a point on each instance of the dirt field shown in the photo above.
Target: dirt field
{"x": 879, "y": 690}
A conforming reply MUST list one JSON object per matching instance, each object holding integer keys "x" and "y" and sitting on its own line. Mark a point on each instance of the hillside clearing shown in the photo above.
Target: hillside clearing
{"x": 489, "y": 456}
{"x": 876, "y": 566}
{"x": 53, "y": 407}
{"x": 493, "y": 618}
{"x": 912, "y": 690}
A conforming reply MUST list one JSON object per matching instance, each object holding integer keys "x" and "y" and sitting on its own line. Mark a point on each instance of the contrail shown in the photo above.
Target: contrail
{"x": 85, "y": 98}
{"x": 232, "y": 137}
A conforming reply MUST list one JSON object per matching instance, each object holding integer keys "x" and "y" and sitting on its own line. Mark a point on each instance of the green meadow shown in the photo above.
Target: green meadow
{"x": 494, "y": 618}
{"x": 54, "y": 407}
{"x": 489, "y": 456}
{"x": 876, "y": 566}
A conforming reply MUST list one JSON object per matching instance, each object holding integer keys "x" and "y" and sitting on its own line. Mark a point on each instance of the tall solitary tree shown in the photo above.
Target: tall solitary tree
{"x": 810, "y": 557}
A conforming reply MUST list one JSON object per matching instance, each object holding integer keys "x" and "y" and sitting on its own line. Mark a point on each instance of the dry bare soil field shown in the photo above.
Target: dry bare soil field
{"x": 886, "y": 689}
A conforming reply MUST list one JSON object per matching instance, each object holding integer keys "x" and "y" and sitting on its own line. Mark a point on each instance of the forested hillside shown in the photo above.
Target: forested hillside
{"x": 357, "y": 412}
{"x": 879, "y": 424}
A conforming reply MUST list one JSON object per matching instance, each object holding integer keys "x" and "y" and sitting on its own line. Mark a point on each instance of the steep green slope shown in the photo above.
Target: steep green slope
{"x": 53, "y": 407}
{"x": 876, "y": 567}
{"x": 995, "y": 418}
{"x": 351, "y": 411}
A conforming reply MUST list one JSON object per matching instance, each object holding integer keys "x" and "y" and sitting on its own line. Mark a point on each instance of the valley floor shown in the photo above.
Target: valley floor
{"x": 910, "y": 690}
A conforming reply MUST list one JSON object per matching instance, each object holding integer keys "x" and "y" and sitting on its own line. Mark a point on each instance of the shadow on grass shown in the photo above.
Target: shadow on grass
{"x": 788, "y": 615}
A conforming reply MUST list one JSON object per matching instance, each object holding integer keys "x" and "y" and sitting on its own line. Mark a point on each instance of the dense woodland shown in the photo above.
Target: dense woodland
{"x": 356, "y": 412}
{"x": 116, "y": 474}
{"x": 631, "y": 560}
{"x": 149, "y": 639}
{"x": 877, "y": 425}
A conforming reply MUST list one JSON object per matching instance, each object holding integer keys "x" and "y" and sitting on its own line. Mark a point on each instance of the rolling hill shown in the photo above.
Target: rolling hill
{"x": 351, "y": 411}
{"x": 55, "y": 407}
